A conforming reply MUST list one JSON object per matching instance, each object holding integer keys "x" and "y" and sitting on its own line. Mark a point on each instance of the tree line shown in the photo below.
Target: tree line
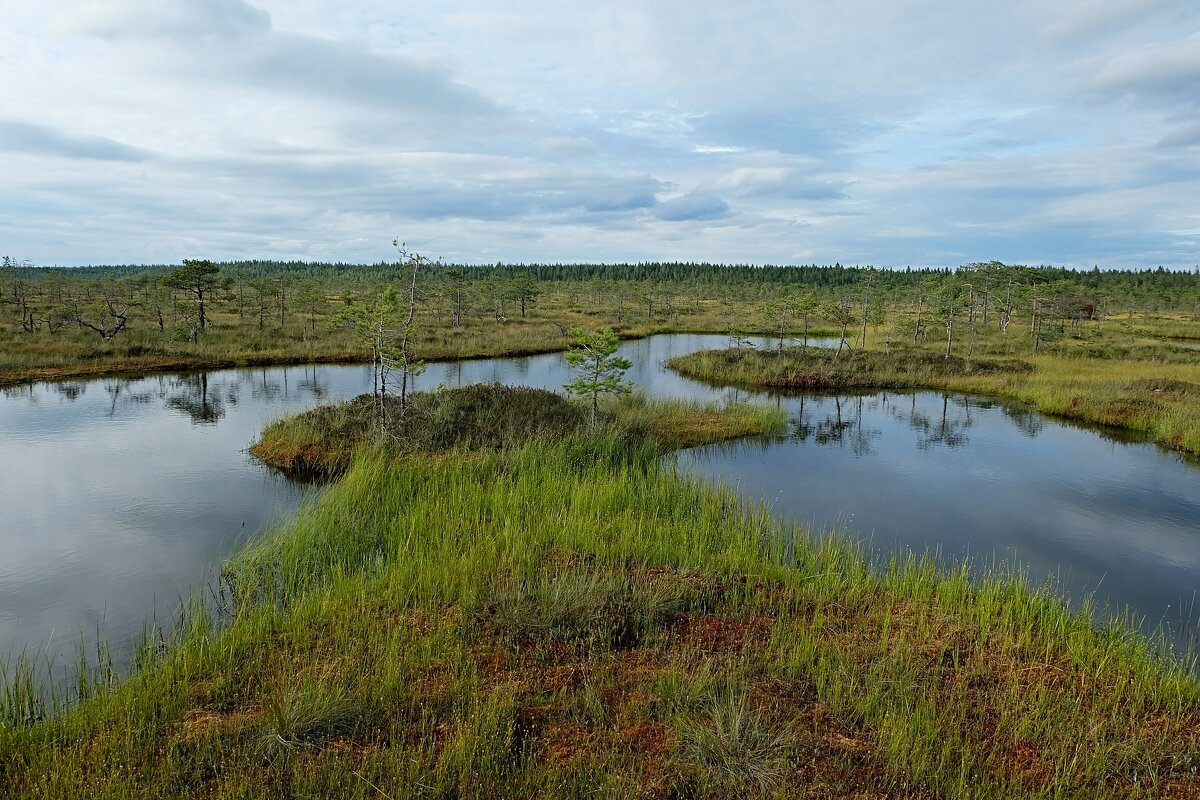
{"x": 178, "y": 302}
{"x": 835, "y": 275}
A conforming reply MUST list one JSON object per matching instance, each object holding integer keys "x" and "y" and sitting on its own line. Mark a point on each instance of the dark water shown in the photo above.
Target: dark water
{"x": 117, "y": 496}
{"x": 967, "y": 477}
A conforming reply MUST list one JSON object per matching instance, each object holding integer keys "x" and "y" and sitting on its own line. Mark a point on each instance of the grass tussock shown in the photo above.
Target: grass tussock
{"x": 539, "y": 621}
{"x": 305, "y": 718}
{"x": 733, "y": 751}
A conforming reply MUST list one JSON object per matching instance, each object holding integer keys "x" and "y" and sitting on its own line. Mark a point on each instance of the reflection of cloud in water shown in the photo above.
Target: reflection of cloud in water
{"x": 158, "y": 485}
{"x": 157, "y": 489}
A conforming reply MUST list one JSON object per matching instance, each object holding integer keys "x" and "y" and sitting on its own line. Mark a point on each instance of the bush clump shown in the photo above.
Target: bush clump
{"x": 320, "y": 443}
{"x": 485, "y": 416}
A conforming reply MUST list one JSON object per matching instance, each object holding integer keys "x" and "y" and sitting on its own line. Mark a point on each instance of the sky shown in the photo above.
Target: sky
{"x": 887, "y": 132}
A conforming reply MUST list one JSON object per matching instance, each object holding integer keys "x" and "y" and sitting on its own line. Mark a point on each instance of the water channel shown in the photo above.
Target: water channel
{"x": 119, "y": 496}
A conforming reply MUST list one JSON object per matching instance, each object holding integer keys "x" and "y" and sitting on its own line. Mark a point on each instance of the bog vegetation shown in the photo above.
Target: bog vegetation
{"x": 554, "y": 611}
{"x": 502, "y": 593}
{"x": 1108, "y": 347}
{"x": 59, "y": 322}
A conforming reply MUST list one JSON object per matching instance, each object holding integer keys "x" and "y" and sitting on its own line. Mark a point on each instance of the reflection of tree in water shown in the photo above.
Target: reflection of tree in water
{"x": 69, "y": 390}
{"x": 844, "y": 426}
{"x": 802, "y": 429}
{"x": 917, "y": 420}
{"x": 1026, "y": 422}
{"x": 275, "y": 385}
{"x": 26, "y": 391}
{"x": 943, "y": 429}
{"x": 832, "y": 429}
{"x": 454, "y": 373}
{"x": 120, "y": 391}
{"x": 193, "y": 397}
{"x": 940, "y": 427}
{"x": 733, "y": 395}
{"x": 268, "y": 386}
{"x": 311, "y": 384}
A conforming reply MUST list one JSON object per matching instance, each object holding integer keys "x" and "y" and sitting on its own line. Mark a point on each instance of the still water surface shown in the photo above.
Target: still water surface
{"x": 119, "y": 496}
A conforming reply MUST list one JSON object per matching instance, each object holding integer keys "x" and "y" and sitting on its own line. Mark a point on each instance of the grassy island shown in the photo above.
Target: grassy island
{"x": 468, "y": 612}
{"x": 1155, "y": 392}
{"x": 322, "y": 443}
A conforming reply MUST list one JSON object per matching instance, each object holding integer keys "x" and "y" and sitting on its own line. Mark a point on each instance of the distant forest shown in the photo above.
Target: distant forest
{"x": 1158, "y": 278}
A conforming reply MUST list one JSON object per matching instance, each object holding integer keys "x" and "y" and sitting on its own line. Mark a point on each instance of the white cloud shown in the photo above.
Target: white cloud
{"x": 1170, "y": 69}
{"x": 172, "y": 19}
{"x": 41, "y": 140}
{"x": 692, "y": 207}
{"x": 870, "y": 130}
{"x": 1082, "y": 23}
{"x": 568, "y": 146}
{"x": 1186, "y": 136}
{"x": 779, "y": 180}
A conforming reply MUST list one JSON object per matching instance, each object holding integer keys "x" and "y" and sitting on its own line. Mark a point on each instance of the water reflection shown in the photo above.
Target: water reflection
{"x": 311, "y": 383}
{"x": 202, "y": 397}
{"x": 191, "y": 397}
{"x": 121, "y": 494}
{"x": 1026, "y": 422}
{"x": 70, "y": 390}
{"x": 926, "y": 472}
{"x": 838, "y": 419}
{"x": 943, "y": 430}
{"x": 157, "y": 488}
{"x": 844, "y": 426}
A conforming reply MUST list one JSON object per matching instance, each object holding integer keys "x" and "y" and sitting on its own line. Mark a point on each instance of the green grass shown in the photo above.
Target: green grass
{"x": 321, "y": 443}
{"x": 570, "y": 617}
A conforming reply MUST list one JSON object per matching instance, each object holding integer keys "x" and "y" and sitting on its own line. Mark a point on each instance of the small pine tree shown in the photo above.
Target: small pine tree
{"x": 599, "y": 370}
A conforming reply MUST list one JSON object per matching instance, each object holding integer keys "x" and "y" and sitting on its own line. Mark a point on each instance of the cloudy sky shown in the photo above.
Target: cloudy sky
{"x": 890, "y": 132}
